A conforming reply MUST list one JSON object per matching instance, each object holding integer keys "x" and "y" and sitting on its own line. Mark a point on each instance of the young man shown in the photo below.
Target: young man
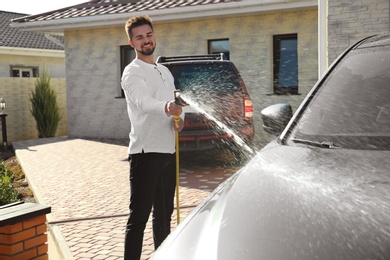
{"x": 149, "y": 91}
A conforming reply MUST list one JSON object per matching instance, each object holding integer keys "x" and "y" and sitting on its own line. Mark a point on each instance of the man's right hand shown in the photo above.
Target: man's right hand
{"x": 173, "y": 109}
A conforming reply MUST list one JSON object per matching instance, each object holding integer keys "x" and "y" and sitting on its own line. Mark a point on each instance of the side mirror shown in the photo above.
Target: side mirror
{"x": 275, "y": 118}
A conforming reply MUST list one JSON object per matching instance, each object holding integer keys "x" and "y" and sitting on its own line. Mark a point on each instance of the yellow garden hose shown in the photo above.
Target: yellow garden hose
{"x": 177, "y": 120}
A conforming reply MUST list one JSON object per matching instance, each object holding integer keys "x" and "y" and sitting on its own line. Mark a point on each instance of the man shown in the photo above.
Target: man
{"x": 148, "y": 89}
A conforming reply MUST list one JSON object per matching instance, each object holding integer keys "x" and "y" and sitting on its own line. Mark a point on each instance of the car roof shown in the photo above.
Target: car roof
{"x": 190, "y": 58}
{"x": 198, "y": 62}
{"x": 376, "y": 40}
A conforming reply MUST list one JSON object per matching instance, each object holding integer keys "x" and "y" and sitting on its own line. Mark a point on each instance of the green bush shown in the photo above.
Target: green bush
{"x": 44, "y": 107}
{"x": 7, "y": 192}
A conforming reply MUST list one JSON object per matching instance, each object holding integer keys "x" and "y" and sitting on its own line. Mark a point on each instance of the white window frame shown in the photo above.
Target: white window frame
{"x": 30, "y": 70}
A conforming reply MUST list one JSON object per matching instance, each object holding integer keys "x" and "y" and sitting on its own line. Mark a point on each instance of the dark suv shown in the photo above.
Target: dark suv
{"x": 220, "y": 111}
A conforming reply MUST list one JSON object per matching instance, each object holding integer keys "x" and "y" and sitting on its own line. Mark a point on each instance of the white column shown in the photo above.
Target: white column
{"x": 322, "y": 36}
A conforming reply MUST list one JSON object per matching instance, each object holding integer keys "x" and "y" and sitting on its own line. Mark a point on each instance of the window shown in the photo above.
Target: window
{"x": 285, "y": 64}
{"x": 127, "y": 56}
{"x": 218, "y": 46}
{"x": 24, "y": 72}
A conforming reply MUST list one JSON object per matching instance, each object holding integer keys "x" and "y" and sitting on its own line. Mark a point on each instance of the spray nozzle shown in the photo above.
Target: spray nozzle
{"x": 178, "y": 99}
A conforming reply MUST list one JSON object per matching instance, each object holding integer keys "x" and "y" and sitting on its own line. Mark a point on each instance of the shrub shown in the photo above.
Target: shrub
{"x": 7, "y": 192}
{"x": 44, "y": 107}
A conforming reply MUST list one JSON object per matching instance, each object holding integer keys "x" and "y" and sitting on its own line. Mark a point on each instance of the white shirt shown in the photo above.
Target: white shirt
{"x": 148, "y": 87}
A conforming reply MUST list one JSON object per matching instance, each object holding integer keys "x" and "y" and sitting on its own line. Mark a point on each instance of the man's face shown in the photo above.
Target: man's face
{"x": 143, "y": 40}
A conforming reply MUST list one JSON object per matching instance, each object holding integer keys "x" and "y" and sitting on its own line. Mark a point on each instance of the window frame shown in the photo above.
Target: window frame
{"x": 209, "y": 42}
{"x": 127, "y": 55}
{"x": 277, "y": 89}
{"x": 33, "y": 70}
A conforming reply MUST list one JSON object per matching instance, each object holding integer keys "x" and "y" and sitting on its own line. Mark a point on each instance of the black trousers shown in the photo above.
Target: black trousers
{"x": 152, "y": 185}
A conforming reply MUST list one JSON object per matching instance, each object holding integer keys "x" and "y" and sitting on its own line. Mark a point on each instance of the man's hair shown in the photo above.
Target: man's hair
{"x": 135, "y": 22}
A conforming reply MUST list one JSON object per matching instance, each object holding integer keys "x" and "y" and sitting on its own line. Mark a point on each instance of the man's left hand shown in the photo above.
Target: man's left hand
{"x": 179, "y": 126}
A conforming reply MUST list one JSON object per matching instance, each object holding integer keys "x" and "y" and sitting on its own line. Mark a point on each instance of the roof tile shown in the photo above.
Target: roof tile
{"x": 13, "y": 37}
{"x": 101, "y": 7}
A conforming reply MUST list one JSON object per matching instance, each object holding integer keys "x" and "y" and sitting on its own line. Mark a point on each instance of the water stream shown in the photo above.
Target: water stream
{"x": 209, "y": 112}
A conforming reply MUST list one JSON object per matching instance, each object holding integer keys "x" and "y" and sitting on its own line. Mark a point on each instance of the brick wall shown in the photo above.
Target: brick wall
{"x": 24, "y": 240}
{"x": 20, "y": 123}
{"x": 350, "y": 21}
{"x": 93, "y": 70}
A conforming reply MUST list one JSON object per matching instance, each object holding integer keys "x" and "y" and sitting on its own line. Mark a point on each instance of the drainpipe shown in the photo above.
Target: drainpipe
{"x": 322, "y": 37}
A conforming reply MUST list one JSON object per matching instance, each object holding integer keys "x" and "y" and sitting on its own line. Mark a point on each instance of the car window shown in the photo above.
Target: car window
{"x": 352, "y": 107}
{"x": 206, "y": 78}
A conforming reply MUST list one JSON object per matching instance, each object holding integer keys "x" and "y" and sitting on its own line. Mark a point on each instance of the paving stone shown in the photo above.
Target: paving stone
{"x": 86, "y": 184}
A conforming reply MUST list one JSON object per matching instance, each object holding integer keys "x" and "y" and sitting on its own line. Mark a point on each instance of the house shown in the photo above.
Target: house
{"x": 23, "y": 55}
{"x": 96, "y": 50}
{"x": 256, "y": 34}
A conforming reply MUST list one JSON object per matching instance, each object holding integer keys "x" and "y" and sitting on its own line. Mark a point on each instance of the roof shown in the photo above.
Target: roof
{"x": 15, "y": 38}
{"x": 103, "y": 13}
{"x": 105, "y": 7}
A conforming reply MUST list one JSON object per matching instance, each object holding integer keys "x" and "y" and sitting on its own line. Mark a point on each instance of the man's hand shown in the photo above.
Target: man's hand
{"x": 173, "y": 109}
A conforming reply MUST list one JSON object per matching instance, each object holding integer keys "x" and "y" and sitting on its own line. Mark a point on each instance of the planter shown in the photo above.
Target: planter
{"x": 23, "y": 231}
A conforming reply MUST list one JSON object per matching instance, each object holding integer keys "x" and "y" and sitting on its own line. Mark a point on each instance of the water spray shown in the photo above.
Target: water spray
{"x": 201, "y": 108}
{"x": 185, "y": 100}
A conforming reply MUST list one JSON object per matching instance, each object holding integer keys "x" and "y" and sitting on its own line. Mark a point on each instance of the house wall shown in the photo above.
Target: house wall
{"x": 350, "y": 21}
{"x": 55, "y": 65}
{"x": 93, "y": 70}
{"x": 95, "y": 108}
{"x": 20, "y": 123}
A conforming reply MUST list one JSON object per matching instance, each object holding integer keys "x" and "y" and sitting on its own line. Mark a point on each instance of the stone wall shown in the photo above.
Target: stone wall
{"x": 350, "y": 21}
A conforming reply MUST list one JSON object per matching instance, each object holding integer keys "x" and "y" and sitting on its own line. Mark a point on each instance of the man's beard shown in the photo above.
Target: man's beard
{"x": 147, "y": 52}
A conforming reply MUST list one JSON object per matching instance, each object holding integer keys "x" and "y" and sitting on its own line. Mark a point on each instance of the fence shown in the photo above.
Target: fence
{"x": 21, "y": 124}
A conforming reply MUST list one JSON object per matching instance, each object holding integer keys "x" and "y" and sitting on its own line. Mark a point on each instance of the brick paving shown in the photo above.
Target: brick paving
{"x": 86, "y": 184}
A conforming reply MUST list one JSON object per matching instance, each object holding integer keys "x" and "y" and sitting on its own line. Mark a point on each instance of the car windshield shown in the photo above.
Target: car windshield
{"x": 352, "y": 108}
{"x": 206, "y": 79}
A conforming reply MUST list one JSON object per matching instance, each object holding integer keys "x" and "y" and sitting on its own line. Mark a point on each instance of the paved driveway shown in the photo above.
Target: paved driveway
{"x": 86, "y": 184}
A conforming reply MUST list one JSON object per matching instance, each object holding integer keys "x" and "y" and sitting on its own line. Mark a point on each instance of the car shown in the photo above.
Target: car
{"x": 220, "y": 111}
{"x": 321, "y": 189}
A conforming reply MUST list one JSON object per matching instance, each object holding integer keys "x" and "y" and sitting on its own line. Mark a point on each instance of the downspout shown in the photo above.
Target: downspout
{"x": 322, "y": 37}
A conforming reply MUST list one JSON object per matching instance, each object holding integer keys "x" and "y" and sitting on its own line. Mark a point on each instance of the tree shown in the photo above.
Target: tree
{"x": 44, "y": 107}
